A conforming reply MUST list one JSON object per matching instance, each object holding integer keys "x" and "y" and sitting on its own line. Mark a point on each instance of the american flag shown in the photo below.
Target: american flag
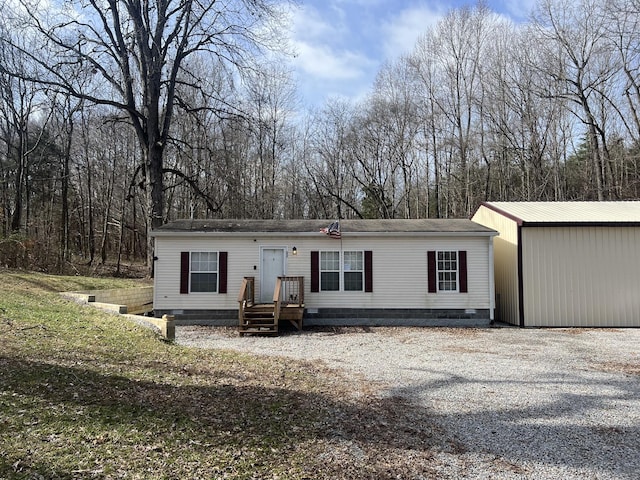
{"x": 333, "y": 230}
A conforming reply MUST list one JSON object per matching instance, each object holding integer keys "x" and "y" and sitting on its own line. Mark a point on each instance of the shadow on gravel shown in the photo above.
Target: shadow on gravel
{"x": 571, "y": 429}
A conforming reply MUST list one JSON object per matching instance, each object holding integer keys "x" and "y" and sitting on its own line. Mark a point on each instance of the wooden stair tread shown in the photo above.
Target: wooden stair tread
{"x": 263, "y": 318}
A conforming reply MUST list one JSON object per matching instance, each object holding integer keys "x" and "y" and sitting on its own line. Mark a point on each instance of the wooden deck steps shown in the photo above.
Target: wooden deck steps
{"x": 259, "y": 319}
{"x": 263, "y": 318}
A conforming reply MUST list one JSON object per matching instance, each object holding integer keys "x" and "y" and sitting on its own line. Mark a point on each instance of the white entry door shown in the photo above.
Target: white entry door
{"x": 272, "y": 265}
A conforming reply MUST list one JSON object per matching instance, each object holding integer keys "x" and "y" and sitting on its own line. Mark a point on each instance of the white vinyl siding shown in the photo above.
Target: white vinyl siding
{"x": 399, "y": 270}
{"x": 167, "y": 273}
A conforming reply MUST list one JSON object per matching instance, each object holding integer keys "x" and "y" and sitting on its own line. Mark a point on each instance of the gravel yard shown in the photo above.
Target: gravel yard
{"x": 519, "y": 403}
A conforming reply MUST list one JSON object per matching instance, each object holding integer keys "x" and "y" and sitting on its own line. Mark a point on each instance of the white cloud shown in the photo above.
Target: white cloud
{"x": 323, "y": 62}
{"x": 519, "y": 10}
{"x": 403, "y": 30}
{"x": 329, "y": 61}
{"x": 309, "y": 24}
{"x": 319, "y": 49}
{"x": 341, "y": 44}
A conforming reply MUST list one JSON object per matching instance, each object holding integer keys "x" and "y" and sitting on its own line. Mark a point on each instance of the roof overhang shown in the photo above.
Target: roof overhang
{"x": 569, "y": 214}
{"x": 316, "y": 228}
{"x": 171, "y": 233}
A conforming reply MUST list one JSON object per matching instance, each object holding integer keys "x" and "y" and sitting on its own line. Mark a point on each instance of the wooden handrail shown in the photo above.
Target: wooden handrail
{"x": 247, "y": 290}
{"x": 246, "y": 297}
{"x": 277, "y": 302}
{"x": 288, "y": 292}
{"x": 293, "y": 288}
{"x": 277, "y": 290}
{"x": 243, "y": 290}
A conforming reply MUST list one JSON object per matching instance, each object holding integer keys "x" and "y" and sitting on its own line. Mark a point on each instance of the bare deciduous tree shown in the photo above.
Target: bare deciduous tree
{"x": 133, "y": 55}
{"x": 574, "y": 36}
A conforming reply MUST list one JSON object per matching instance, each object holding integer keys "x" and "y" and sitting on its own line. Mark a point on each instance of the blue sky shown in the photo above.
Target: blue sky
{"x": 341, "y": 44}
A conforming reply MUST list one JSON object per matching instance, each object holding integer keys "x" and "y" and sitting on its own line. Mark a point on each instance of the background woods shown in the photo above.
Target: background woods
{"x": 122, "y": 118}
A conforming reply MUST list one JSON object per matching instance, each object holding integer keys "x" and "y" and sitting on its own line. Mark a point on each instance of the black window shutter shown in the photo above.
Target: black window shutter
{"x": 368, "y": 271}
{"x": 431, "y": 271}
{"x": 315, "y": 271}
{"x": 222, "y": 272}
{"x": 462, "y": 270}
{"x": 184, "y": 272}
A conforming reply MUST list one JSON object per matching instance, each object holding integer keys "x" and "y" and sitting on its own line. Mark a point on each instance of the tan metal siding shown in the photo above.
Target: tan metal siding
{"x": 581, "y": 276}
{"x": 505, "y": 253}
{"x": 399, "y": 271}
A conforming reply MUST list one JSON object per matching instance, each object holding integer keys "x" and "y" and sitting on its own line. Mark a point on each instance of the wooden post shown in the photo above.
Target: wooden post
{"x": 168, "y": 328}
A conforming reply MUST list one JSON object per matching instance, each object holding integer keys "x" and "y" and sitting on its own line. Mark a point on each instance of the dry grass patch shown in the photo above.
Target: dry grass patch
{"x": 630, "y": 369}
{"x": 582, "y": 330}
{"x": 85, "y": 394}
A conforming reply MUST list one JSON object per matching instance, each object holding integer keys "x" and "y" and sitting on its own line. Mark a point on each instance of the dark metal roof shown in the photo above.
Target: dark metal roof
{"x": 314, "y": 226}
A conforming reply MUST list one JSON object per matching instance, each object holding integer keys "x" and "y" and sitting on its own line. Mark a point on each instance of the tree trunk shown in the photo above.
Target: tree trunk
{"x": 64, "y": 232}
{"x": 91, "y": 240}
{"x": 123, "y": 219}
{"x": 107, "y": 214}
{"x": 16, "y": 217}
{"x": 155, "y": 198}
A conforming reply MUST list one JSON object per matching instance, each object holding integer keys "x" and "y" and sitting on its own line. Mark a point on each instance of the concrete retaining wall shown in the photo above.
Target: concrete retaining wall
{"x": 128, "y": 302}
{"x": 124, "y": 296}
{"x": 120, "y": 300}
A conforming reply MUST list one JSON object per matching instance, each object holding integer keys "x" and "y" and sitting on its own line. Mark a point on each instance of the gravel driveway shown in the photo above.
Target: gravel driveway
{"x": 544, "y": 404}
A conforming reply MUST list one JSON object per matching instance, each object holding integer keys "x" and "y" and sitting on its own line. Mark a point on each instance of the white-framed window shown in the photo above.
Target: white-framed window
{"x": 203, "y": 272}
{"x": 329, "y": 271}
{"x": 342, "y": 271}
{"x": 353, "y": 271}
{"x": 447, "y": 271}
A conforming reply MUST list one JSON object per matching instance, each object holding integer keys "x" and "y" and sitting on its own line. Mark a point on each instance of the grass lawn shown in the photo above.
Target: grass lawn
{"x": 87, "y": 394}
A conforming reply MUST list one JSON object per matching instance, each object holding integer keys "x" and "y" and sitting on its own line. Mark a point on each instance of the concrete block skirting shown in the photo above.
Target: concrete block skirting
{"x": 349, "y": 317}
{"x": 401, "y": 317}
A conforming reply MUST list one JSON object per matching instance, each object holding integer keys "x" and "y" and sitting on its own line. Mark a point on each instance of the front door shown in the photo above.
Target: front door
{"x": 272, "y": 266}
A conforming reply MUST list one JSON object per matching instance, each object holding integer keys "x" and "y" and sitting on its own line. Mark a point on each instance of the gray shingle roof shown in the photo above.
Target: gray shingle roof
{"x": 313, "y": 226}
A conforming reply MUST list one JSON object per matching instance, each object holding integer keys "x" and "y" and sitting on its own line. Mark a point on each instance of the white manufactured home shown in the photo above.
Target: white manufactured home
{"x": 363, "y": 272}
{"x": 566, "y": 264}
